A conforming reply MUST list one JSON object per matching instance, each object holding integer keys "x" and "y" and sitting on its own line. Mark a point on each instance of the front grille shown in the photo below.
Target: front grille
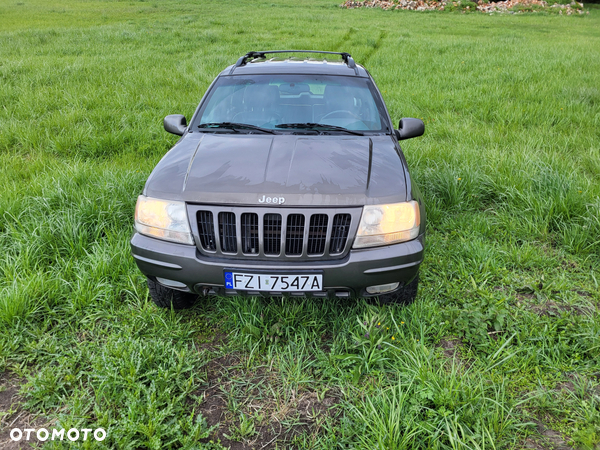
{"x": 264, "y": 234}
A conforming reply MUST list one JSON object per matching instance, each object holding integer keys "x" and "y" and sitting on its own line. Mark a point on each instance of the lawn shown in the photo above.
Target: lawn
{"x": 501, "y": 348}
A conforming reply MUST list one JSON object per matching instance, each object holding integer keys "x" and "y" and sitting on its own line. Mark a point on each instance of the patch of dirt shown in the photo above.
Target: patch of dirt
{"x": 305, "y": 408}
{"x": 568, "y": 265}
{"x": 218, "y": 340}
{"x": 525, "y": 296}
{"x": 551, "y": 308}
{"x": 548, "y": 439}
{"x": 579, "y": 384}
{"x": 326, "y": 340}
{"x": 213, "y": 406}
{"x": 451, "y": 347}
{"x": 276, "y": 420}
{"x": 568, "y": 385}
{"x": 530, "y": 443}
{"x": 565, "y": 386}
{"x": 13, "y": 416}
{"x": 228, "y": 365}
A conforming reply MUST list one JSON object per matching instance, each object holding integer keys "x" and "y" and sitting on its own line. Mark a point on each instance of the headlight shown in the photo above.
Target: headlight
{"x": 388, "y": 224}
{"x": 163, "y": 219}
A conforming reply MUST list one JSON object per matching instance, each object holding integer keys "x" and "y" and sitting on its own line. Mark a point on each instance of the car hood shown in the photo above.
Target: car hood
{"x": 297, "y": 170}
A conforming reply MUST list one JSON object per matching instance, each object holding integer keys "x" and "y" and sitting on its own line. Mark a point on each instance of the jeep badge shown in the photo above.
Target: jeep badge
{"x": 277, "y": 200}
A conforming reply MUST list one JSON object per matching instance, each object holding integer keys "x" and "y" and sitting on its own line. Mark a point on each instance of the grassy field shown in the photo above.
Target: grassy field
{"x": 501, "y": 349}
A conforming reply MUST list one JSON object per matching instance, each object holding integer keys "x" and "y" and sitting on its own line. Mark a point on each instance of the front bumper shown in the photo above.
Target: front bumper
{"x": 349, "y": 276}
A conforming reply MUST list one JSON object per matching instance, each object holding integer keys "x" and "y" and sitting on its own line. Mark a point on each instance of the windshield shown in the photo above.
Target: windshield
{"x": 292, "y": 103}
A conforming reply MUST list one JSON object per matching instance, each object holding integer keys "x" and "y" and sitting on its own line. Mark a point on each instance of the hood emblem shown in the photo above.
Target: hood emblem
{"x": 276, "y": 200}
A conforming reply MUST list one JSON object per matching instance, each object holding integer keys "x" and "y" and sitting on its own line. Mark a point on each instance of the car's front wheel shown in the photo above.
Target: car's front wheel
{"x": 403, "y": 296}
{"x": 165, "y": 297}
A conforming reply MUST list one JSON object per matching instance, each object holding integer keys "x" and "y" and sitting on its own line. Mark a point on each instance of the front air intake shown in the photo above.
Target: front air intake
{"x": 260, "y": 233}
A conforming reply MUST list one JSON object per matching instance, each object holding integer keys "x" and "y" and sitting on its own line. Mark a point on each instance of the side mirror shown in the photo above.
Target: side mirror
{"x": 175, "y": 123}
{"x": 410, "y": 128}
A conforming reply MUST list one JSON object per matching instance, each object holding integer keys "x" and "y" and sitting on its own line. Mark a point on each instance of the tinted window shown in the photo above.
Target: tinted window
{"x": 271, "y": 100}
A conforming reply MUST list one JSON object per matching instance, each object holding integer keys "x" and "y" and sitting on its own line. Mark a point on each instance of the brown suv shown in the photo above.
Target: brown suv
{"x": 288, "y": 181}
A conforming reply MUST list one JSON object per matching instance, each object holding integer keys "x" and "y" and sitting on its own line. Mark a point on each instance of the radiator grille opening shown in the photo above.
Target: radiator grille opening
{"x": 227, "y": 232}
{"x": 206, "y": 230}
{"x": 317, "y": 234}
{"x": 294, "y": 237}
{"x": 250, "y": 233}
{"x": 265, "y": 234}
{"x": 272, "y": 234}
{"x": 339, "y": 233}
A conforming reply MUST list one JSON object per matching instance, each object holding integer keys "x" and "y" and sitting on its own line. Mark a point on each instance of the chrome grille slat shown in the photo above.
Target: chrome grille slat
{"x": 261, "y": 238}
{"x": 305, "y": 235}
{"x": 279, "y": 233}
{"x": 294, "y": 234}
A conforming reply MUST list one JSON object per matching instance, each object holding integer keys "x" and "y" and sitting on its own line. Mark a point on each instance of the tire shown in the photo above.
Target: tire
{"x": 403, "y": 296}
{"x": 165, "y": 297}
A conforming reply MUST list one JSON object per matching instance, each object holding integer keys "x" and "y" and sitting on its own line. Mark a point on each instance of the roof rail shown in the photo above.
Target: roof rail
{"x": 254, "y": 55}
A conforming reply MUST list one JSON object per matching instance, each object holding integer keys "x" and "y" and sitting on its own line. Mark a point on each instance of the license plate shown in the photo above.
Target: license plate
{"x": 278, "y": 283}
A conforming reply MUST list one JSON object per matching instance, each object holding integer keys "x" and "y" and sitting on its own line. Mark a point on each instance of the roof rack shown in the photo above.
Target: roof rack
{"x": 254, "y": 55}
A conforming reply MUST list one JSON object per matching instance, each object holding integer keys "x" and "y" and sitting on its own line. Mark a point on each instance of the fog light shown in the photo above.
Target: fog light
{"x": 380, "y": 289}
{"x": 171, "y": 283}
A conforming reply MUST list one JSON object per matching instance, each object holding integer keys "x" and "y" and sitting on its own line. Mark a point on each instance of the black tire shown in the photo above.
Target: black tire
{"x": 403, "y": 296}
{"x": 165, "y": 297}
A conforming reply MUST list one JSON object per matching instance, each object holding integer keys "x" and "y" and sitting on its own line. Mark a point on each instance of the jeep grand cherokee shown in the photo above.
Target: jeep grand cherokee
{"x": 288, "y": 181}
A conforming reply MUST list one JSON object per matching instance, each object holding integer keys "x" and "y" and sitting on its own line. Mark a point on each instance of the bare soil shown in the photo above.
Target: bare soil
{"x": 282, "y": 420}
{"x": 548, "y": 439}
{"x": 552, "y": 308}
{"x": 218, "y": 340}
{"x": 12, "y": 415}
{"x": 451, "y": 347}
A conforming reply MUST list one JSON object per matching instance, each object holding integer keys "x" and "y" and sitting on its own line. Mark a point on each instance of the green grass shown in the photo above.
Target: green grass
{"x": 509, "y": 167}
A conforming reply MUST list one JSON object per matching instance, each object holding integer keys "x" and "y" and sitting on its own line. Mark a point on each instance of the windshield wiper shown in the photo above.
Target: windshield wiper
{"x": 318, "y": 127}
{"x": 233, "y": 126}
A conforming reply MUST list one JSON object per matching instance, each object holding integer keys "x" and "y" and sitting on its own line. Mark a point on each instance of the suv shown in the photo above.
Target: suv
{"x": 288, "y": 181}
